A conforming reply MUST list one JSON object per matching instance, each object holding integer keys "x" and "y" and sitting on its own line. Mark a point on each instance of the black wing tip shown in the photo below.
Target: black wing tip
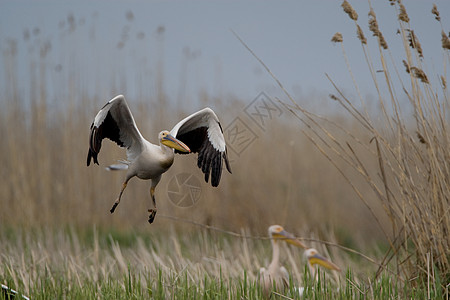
{"x": 92, "y": 155}
{"x": 227, "y": 163}
{"x": 210, "y": 162}
{"x": 88, "y": 162}
{"x": 215, "y": 181}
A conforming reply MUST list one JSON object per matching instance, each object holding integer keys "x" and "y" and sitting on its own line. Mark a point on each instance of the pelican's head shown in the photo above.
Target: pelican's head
{"x": 169, "y": 140}
{"x": 314, "y": 257}
{"x": 276, "y": 232}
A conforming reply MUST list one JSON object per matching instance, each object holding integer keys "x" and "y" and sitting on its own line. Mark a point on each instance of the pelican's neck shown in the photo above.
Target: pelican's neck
{"x": 166, "y": 150}
{"x": 275, "y": 254}
{"x": 312, "y": 270}
{"x": 166, "y": 156}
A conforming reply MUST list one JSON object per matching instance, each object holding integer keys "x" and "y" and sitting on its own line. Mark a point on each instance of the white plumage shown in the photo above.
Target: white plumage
{"x": 203, "y": 118}
{"x": 313, "y": 258}
{"x": 276, "y": 276}
{"x": 199, "y": 133}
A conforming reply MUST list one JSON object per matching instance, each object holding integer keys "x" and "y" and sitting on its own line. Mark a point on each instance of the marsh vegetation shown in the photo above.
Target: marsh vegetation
{"x": 373, "y": 178}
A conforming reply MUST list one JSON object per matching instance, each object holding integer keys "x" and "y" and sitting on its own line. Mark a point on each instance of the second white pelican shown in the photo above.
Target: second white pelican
{"x": 313, "y": 259}
{"x": 276, "y": 276}
{"x": 200, "y": 133}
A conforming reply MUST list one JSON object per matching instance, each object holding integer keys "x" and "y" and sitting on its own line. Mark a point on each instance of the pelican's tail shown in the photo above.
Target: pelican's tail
{"x": 123, "y": 165}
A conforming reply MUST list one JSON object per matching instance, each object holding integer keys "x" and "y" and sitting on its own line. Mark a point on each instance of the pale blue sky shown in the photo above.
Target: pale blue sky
{"x": 291, "y": 37}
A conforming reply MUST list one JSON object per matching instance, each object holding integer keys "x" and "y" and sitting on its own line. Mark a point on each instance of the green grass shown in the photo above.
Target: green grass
{"x": 386, "y": 178}
{"x": 92, "y": 264}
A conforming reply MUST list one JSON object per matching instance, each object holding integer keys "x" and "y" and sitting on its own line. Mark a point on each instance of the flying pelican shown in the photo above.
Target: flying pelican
{"x": 313, "y": 258}
{"x": 276, "y": 276}
{"x": 200, "y": 133}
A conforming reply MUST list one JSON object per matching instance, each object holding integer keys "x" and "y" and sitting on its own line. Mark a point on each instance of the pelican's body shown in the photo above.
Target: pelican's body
{"x": 152, "y": 162}
{"x": 275, "y": 275}
{"x": 199, "y": 133}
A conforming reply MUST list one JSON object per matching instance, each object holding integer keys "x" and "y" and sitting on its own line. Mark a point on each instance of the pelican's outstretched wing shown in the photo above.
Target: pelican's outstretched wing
{"x": 202, "y": 133}
{"x": 115, "y": 122}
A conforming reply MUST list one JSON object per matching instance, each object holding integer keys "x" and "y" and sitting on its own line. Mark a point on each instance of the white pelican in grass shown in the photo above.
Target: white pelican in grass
{"x": 314, "y": 259}
{"x": 198, "y": 133}
{"x": 276, "y": 276}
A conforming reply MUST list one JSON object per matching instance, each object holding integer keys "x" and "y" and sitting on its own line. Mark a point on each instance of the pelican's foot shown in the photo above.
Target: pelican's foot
{"x": 114, "y": 207}
{"x": 152, "y": 215}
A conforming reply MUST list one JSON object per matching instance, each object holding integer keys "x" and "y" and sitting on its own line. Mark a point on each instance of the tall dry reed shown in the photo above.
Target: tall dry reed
{"x": 403, "y": 155}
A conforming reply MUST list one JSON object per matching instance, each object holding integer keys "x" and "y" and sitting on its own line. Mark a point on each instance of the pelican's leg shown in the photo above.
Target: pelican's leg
{"x": 124, "y": 185}
{"x": 153, "y": 210}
